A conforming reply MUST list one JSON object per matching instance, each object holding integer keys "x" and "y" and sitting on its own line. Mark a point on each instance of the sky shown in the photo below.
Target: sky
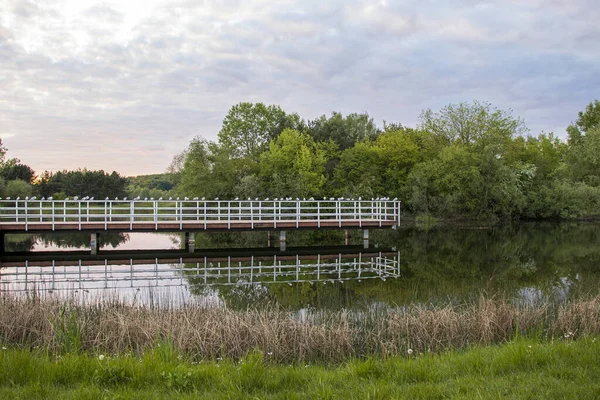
{"x": 125, "y": 85}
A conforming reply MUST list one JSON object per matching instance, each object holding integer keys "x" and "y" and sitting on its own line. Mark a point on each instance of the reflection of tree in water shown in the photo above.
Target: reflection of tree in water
{"x": 19, "y": 242}
{"x": 80, "y": 240}
{"x": 259, "y": 239}
{"x": 455, "y": 264}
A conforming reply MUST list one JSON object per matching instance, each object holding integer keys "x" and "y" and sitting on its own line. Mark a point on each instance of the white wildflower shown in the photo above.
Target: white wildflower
{"x": 101, "y": 357}
{"x": 409, "y": 351}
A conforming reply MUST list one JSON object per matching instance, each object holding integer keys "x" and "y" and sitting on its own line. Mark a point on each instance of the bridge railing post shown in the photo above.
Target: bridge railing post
{"x": 26, "y": 214}
{"x": 228, "y": 214}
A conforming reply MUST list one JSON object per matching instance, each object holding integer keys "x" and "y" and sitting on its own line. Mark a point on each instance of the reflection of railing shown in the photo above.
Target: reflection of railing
{"x": 32, "y": 214}
{"x": 221, "y": 271}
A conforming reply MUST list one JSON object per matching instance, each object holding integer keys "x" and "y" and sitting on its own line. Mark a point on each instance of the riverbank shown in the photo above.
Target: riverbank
{"x": 562, "y": 368}
{"x": 210, "y": 333}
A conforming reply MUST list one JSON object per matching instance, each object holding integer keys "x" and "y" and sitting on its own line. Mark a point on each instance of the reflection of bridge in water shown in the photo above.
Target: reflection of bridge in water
{"x": 54, "y": 271}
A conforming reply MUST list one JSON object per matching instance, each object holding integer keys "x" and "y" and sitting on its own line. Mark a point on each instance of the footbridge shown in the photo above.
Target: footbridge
{"x": 193, "y": 215}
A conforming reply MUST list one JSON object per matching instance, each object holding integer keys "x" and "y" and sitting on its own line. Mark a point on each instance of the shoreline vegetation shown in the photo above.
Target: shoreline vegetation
{"x": 464, "y": 162}
{"x": 207, "y": 333}
{"x": 522, "y": 368}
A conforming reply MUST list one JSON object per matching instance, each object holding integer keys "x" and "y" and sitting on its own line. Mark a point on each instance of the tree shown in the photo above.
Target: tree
{"x": 378, "y": 168}
{"x": 293, "y": 165}
{"x": 343, "y": 131}
{"x": 2, "y": 152}
{"x": 584, "y": 145}
{"x": 18, "y": 188}
{"x": 13, "y": 169}
{"x": 247, "y": 128}
{"x": 473, "y": 124}
{"x": 586, "y": 120}
{"x": 209, "y": 170}
{"x": 97, "y": 184}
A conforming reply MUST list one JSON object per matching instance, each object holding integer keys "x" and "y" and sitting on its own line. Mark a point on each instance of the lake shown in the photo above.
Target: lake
{"x": 527, "y": 262}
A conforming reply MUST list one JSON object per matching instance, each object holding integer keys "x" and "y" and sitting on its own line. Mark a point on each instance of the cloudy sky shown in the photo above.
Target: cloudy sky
{"x": 125, "y": 85}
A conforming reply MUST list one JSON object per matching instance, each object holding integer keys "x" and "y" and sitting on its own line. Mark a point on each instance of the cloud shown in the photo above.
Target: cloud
{"x": 126, "y": 85}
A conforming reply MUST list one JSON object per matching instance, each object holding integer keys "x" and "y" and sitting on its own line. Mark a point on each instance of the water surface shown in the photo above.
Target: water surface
{"x": 526, "y": 262}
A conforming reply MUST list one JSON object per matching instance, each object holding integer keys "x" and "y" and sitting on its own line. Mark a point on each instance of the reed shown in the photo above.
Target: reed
{"x": 205, "y": 333}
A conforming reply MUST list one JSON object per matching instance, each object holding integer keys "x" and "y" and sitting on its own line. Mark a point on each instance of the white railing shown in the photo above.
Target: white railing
{"x": 225, "y": 272}
{"x": 79, "y": 212}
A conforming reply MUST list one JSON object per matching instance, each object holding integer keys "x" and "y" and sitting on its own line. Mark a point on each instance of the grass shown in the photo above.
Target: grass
{"x": 520, "y": 369}
{"x": 204, "y": 333}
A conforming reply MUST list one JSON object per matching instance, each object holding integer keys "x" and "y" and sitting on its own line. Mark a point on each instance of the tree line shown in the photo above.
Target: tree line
{"x": 464, "y": 161}
{"x": 20, "y": 180}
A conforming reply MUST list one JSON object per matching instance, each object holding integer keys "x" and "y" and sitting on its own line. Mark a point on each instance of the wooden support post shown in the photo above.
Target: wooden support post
{"x": 366, "y": 238}
{"x": 347, "y": 234}
{"x": 269, "y": 239}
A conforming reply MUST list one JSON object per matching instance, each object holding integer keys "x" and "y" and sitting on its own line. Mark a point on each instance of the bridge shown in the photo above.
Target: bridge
{"x": 193, "y": 215}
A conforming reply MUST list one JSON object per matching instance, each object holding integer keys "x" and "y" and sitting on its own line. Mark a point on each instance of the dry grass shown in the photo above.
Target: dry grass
{"x": 210, "y": 333}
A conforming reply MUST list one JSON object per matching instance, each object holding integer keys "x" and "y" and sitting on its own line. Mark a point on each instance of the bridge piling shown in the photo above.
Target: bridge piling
{"x": 282, "y": 240}
{"x": 366, "y": 238}
{"x": 189, "y": 242}
{"x": 94, "y": 243}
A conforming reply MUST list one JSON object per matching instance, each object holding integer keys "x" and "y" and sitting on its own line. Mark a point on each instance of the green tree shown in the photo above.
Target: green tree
{"x": 97, "y": 184}
{"x": 13, "y": 169}
{"x": 586, "y": 120}
{"x": 249, "y": 127}
{"x": 343, "y": 131}
{"x": 584, "y": 145}
{"x": 209, "y": 170}
{"x": 473, "y": 124}
{"x": 18, "y": 188}
{"x": 377, "y": 168}
{"x": 293, "y": 166}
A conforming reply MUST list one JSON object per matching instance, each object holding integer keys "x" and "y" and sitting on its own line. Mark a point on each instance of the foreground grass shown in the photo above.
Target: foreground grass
{"x": 520, "y": 369}
{"x": 199, "y": 333}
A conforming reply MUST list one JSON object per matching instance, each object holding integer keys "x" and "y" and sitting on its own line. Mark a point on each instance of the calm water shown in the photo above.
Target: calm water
{"x": 529, "y": 262}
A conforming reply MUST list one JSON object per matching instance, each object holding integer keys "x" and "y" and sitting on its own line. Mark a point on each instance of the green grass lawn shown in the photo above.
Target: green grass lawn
{"x": 524, "y": 369}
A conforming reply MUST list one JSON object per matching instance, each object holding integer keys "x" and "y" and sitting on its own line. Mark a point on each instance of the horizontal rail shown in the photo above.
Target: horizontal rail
{"x": 79, "y": 213}
{"x": 78, "y": 276}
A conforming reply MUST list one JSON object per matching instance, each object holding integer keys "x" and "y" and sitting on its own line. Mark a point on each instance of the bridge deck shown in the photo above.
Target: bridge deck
{"x": 191, "y": 225}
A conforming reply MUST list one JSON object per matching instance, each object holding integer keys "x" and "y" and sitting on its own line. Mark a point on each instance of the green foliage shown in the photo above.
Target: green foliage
{"x": 249, "y": 127}
{"x": 473, "y": 124}
{"x": 13, "y": 169}
{"x": 586, "y": 120}
{"x": 211, "y": 171}
{"x": 345, "y": 132}
{"x": 98, "y": 184}
{"x": 67, "y": 331}
{"x": 466, "y": 161}
{"x": 584, "y": 157}
{"x": 152, "y": 186}
{"x": 293, "y": 165}
{"x": 17, "y": 188}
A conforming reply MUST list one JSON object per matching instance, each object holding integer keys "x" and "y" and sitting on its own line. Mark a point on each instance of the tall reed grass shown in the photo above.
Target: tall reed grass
{"x": 202, "y": 333}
